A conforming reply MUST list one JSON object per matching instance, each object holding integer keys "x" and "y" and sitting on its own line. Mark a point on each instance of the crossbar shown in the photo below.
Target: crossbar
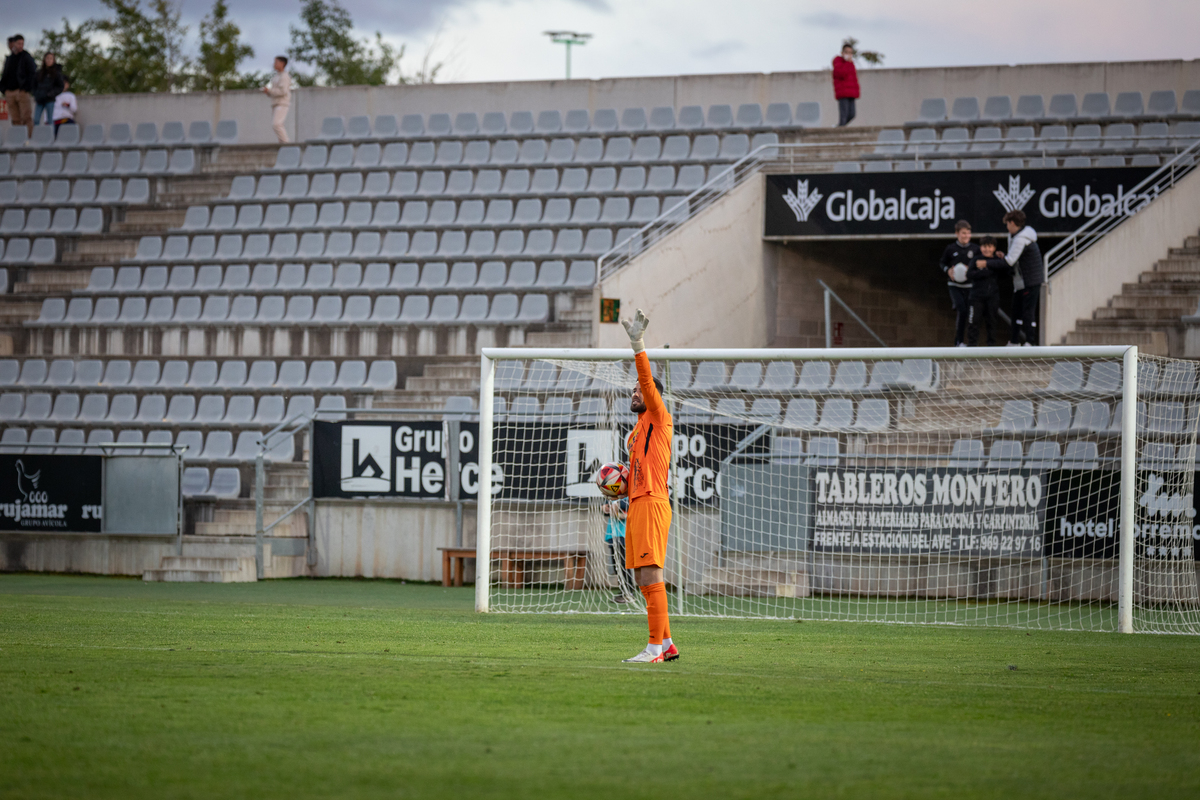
{"x": 806, "y": 354}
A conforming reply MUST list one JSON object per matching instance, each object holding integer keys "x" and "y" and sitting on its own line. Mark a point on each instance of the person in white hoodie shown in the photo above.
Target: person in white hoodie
{"x": 1029, "y": 273}
{"x": 280, "y": 92}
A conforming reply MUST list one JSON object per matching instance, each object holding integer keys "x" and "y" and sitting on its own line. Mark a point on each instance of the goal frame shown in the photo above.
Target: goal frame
{"x": 1127, "y": 353}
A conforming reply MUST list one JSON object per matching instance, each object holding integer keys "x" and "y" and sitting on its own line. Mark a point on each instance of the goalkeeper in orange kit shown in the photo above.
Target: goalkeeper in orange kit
{"x": 649, "y": 516}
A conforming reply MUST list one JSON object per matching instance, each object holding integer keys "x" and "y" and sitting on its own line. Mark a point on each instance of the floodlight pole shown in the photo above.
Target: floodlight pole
{"x": 568, "y": 38}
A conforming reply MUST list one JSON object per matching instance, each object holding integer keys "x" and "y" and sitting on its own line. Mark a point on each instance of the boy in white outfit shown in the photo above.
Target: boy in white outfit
{"x": 280, "y": 92}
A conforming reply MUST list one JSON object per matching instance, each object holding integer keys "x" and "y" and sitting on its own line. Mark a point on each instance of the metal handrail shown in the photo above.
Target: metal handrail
{"x": 828, "y": 321}
{"x": 688, "y": 207}
{"x": 620, "y": 254}
{"x": 290, "y": 427}
{"x": 1099, "y": 226}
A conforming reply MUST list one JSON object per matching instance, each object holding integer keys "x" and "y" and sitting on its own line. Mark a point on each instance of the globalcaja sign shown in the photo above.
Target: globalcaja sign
{"x": 1055, "y": 201}
{"x": 51, "y": 493}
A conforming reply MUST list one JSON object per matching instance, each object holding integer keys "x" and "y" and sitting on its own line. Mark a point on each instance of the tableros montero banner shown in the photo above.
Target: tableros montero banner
{"x": 934, "y": 511}
{"x": 1055, "y": 201}
{"x": 50, "y": 493}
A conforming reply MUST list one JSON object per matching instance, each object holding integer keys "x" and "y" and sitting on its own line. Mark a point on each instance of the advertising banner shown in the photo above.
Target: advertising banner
{"x": 1055, "y": 201}
{"x": 934, "y": 511}
{"x": 379, "y": 459}
{"x": 1083, "y": 517}
{"x": 50, "y": 493}
{"x": 551, "y": 462}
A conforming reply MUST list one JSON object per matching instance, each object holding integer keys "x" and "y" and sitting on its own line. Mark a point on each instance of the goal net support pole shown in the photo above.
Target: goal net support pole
{"x": 1157, "y": 585}
{"x": 1128, "y": 488}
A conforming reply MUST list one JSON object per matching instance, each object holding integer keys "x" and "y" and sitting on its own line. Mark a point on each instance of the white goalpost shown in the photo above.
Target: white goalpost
{"x": 1045, "y": 487}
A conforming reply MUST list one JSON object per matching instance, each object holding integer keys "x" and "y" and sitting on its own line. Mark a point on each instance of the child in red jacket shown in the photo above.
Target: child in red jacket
{"x": 845, "y": 84}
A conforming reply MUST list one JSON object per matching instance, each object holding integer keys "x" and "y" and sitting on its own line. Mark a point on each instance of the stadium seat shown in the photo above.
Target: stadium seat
{"x": 1042, "y": 455}
{"x": 823, "y": 451}
{"x": 966, "y": 454}
{"x": 1005, "y": 454}
{"x": 965, "y": 109}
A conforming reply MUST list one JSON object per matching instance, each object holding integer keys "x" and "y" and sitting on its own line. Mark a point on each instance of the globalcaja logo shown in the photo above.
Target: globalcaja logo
{"x": 801, "y": 202}
{"x": 1015, "y": 196}
{"x": 34, "y": 506}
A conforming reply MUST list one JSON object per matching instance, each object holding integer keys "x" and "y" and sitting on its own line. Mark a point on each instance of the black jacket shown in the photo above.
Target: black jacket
{"x": 983, "y": 281}
{"x": 956, "y": 253}
{"x": 19, "y": 74}
{"x": 48, "y": 84}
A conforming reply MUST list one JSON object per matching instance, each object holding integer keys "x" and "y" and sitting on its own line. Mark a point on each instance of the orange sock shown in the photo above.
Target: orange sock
{"x": 666, "y": 618}
{"x": 656, "y": 610}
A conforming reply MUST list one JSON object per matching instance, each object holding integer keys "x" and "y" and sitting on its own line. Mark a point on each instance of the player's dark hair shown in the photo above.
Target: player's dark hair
{"x": 658, "y": 385}
{"x": 987, "y": 240}
{"x": 282, "y": 58}
{"x": 961, "y": 224}
{"x": 1016, "y": 217}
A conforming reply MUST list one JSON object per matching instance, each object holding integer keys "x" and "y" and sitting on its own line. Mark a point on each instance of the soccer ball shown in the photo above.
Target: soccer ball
{"x": 959, "y": 273}
{"x": 612, "y": 479}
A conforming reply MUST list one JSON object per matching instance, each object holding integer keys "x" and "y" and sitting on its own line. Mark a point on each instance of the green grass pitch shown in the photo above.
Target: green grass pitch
{"x": 116, "y": 688}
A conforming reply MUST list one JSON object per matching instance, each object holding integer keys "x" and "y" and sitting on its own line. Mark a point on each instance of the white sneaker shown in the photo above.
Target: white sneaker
{"x": 1012, "y": 344}
{"x": 644, "y": 657}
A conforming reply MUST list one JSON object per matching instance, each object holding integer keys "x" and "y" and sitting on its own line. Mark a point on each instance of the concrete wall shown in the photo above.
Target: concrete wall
{"x": 94, "y": 554}
{"x": 1088, "y": 282}
{"x": 889, "y": 96}
{"x": 359, "y": 539}
{"x": 707, "y": 284}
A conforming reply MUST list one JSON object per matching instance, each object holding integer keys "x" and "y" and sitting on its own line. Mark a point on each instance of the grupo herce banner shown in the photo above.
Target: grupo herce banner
{"x": 379, "y": 459}
{"x": 1055, "y": 201}
{"x": 51, "y": 493}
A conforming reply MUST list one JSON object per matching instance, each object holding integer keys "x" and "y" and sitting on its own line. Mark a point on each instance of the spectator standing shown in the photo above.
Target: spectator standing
{"x": 48, "y": 84}
{"x": 845, "y": 84}
{"x": 955, "y": 262}
{"x": 1029, "y": 273}
{"x": 17, "y": 81}
{"x": 280, "y": 92}
{"x": 985, "y": 296}
{"x": 64, "y": 108}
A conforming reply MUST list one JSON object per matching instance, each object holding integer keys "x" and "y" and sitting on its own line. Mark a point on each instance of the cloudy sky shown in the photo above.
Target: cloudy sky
{"x": 485, "y": 40}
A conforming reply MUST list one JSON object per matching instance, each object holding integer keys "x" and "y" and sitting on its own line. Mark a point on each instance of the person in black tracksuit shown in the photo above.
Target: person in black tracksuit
{"x": 1029, "y": 273}
{"x": 960, "y": 251}
{"x": 985, "y": 294}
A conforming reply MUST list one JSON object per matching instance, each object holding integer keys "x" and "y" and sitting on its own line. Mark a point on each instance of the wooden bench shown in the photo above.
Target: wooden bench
{"x": 454, "y": 563}
{"x": 512, "y": 565}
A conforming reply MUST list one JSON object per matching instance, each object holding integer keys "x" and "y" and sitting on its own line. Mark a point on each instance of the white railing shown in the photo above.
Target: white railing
{"x": 781, "y": 155}
{"x": 1099, "y": 226}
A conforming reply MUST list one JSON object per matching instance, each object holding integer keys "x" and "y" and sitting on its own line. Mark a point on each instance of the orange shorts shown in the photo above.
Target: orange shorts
{"x": 646, "y": 529}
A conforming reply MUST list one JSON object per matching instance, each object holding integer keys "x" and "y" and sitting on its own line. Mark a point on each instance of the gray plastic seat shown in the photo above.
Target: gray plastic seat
{"x": 966, "y": 454}
{"x": 801, "y": 414}
{"x": 1096, "y": 105}
{"x": 1053, "y": 416}
{"x": 1063, "y": 107}
{"x": 1090, "y": 417}
{"x": 1081, "y": 455}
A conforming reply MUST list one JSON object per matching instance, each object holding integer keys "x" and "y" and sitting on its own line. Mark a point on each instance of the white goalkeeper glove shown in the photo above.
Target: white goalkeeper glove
{"x": 636, "y": 328}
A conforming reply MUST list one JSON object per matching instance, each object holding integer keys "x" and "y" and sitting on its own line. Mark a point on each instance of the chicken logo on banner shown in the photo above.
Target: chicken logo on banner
{"x": 801, "y": 202}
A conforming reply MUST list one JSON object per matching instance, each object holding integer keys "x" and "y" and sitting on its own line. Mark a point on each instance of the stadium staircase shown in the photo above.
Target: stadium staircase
{"x": 1148, "y": 313}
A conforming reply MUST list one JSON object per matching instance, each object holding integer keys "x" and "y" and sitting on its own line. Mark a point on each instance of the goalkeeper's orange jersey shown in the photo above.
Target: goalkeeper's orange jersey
{"x": 650, "y": 442}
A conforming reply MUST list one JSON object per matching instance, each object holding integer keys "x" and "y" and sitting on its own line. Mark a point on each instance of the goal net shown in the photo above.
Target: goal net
{"x": 990, "y": 486}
